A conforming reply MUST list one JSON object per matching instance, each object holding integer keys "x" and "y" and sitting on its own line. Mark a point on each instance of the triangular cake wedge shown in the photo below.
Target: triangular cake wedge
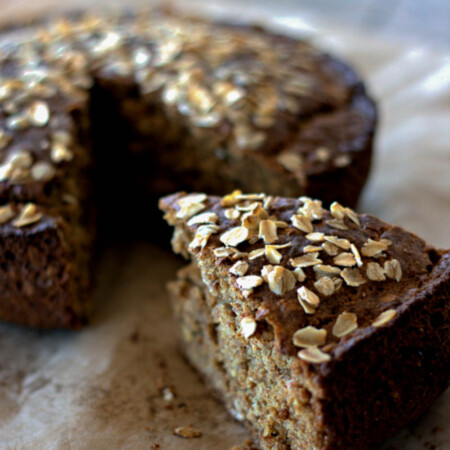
{"x": 317, "y": 328}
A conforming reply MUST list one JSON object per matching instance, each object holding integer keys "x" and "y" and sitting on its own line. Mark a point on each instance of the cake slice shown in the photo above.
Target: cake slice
{"x": 317, "y": 328}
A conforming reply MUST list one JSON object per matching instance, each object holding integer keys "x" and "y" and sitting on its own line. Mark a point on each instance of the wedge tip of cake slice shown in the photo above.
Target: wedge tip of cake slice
{"x": 318, "y": 328}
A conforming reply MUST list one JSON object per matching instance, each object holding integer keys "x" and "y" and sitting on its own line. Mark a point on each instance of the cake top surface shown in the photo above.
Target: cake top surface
{"x": 317, "y": 276}
{"x": 237, "y": 83}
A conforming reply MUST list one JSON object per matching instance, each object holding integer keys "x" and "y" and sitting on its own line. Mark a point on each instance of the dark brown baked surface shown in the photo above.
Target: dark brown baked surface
{"x": 318, "y": 328}
{"x": 157, "y": 103}
{"x": 44, "y": 261}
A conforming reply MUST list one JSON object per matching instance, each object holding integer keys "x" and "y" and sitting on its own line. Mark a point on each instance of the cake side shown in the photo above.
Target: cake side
{"x": 406, "y": 363}
{"x": 238, "y": 370}
{"x": 44, "y": 277}
{"x": 328, "y": 319}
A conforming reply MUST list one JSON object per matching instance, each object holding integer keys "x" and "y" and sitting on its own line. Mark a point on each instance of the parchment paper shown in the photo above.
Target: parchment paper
{"x": 121, "y": 382}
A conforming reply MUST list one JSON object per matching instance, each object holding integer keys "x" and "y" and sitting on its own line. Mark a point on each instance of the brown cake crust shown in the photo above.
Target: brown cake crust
{"x": 44, "y": 288}
{"x": 407, "y": 365}
{"x": 353, "y": 388}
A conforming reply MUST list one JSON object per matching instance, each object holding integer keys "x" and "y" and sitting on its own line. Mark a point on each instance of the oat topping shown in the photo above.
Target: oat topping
{"x": 314, "y": 355}
{"x": 17, "y": 167}
{"x": 357, "y": 255}
{"x": 299, "y": 274}
{"x": 6, "y": 214}
{"x": 250, "y": 197}
{"x": 325, "y": 286}
{"x": 190, "y": 205}
{"x": 337, "y": 283}
{"x": 247, "y": 138}
{"x": 267, "y": 202}
{"x": 239, "y": 268}
{"x": 312, "y": 209}
{"x": 375, "y": 272}
{"x": 345, "y": 323}
{"x": 324, "y": 270}
{"x": 290, "y": 161}
{"x": 374, "y": 249}
{"x": 337, "y": 224}
{"x": 307, "y": 307}
{"x": 202, "y": 235}
{"x": 341, "y": 243}
{"x": 337, "y": 211}
{"x": 248, "y": 326}
{"x": 279, "y": 279}
{"x": 38, "y": 114}
{"x": 272, "y": 254}
{"x": 235, "y": 236}
{"x": 229, "y": 252}
{"x": 330, "y": 249}
{"x": 393, "y": 269}
{"x": 344, "y": 259}
{"x": 206, "y": 217}
{"x": 42, "y": 171}
{"x": 231, "y": 199}
{"x": 312, "y": 249}
{"x": 231, "y": 213}
{"x": 28, "y": 215}
{"x": 315, "y": 237}
{"x": 5, "y": 139}
{"x": 257, "y": 253}
{"x": 352, "y": 216}
{"x": 249, "y": 282}
{"x": 307, "y": 260}
{"x": 307, "y": 296}
{"x": 59, "y": 153}
{"x": 196, "y": 76}
{"x": 248, "y": 206}
{"x": 17, "y": 122}
{"x": 353, "y": 277}
{"x": 251, "y": 221}
{"x": 384, "y": 318}
{"x": 323, "y": 154}
{"x": 303, "y": 223}
{"x": 309, "y": 337}
{"x": 342, "y": 160}
{"x": 268, "y": 231}
{"x": 281, "y": 224}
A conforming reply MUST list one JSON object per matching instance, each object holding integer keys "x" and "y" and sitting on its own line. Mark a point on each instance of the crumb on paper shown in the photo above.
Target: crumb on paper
{"x": 168, "y": 394}
{"x": 166, "y": 389}
{"x": 187, "y": 432}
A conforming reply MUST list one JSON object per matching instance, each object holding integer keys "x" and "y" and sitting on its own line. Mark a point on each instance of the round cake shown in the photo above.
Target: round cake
{"x": 133, "y": 106}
